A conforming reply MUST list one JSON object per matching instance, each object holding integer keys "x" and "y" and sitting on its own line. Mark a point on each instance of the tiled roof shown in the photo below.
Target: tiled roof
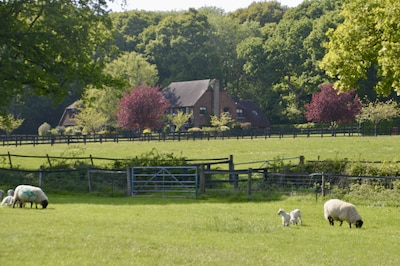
{"x": 186, "y": 93}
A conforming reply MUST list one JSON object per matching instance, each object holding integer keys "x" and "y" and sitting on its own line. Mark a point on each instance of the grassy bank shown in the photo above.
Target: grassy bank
{"x": 131, "y": 231}
{"x": 243, "y": 150}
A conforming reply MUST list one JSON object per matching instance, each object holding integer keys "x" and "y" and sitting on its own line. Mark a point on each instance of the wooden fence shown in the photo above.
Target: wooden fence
{"x": 17, "y": 140}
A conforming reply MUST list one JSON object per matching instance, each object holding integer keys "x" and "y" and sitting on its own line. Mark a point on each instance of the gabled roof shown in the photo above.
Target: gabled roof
{"x": 253, "y": 113}
{"x": 186, "y": 93}
{"x": 67, "y": 116}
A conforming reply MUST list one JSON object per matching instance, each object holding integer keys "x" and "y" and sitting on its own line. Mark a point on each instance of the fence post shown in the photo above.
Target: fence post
{"x": 9, "y": 160}
{"x": 231, "y": 168}
{"x": 128, "y": 181}
{"x": 40, "y": 176}
{"x": 249, "y": 174}
{"x": 89, "y": 180}
{"x": 323, "y": 185}
{"x": 48, "y": 160}
{"x": 202, "y": 179}
{"x": 301, "y": 162}
{"x": 265, "y": 177}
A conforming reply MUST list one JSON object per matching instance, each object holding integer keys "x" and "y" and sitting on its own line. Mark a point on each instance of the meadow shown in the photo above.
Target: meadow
{"x": 84, "y": 230}
{"x": 91, "y": 230}
{"x": 253, "y": 151}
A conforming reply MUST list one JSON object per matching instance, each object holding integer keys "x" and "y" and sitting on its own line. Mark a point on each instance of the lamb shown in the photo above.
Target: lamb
{"x": 294, "y": 216}
{"x": 338, "y": 210}
{"x": 285, "y": 217}
{"x": 7, "y": 200}
{"x": 26, "y": 193}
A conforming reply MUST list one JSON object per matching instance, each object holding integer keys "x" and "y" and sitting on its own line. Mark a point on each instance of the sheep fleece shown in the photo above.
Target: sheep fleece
{"x": 341, "y": 211}
{"x": 26, "y": 193}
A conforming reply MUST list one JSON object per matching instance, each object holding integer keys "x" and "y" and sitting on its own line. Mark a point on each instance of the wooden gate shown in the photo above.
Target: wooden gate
{"x": 163, "y": 180}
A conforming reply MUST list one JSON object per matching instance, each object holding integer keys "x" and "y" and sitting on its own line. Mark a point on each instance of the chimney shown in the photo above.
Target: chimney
{"x": 216, "y": 107}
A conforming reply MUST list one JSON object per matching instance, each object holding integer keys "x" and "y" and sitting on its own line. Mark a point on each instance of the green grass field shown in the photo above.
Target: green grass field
{"x": 244, "y": 150}
{"x": 89, "y": 230}
{"x": 130, "y": 231}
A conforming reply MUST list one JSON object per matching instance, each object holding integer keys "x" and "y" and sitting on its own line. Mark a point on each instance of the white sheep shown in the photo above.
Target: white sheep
{"x": 295, "y": 215}
{"x": 285, "y": 217}
{"x": 7, "y": 200}
{"x": 26, "y": 193}
{"x": 338, "y": 210}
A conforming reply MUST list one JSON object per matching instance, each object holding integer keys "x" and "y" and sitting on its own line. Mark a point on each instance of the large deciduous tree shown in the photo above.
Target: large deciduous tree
{"x": 289, "y": 54}
{"x": 46, "y": 46}
{"x": 329, "y": 105}
{"x": 178, "y": 45}
{"x": 142, "y": 107}
{"x": 368, "y": 41}
{"x": 133, "y": 69}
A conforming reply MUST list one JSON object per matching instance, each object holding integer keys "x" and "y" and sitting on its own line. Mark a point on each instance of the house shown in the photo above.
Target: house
{"x": 204, "y": 98}
{"x": 67, "y": 118}
{"x": 248, "y": 111}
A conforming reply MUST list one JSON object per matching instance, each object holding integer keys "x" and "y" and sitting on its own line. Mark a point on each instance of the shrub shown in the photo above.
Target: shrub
{"x": 152, "y": 158}
{"x": 44, "y": 129}
{"x": 245, "y": 126}
{"x": 194, "y": 129}
{"x": 224, "y": 128}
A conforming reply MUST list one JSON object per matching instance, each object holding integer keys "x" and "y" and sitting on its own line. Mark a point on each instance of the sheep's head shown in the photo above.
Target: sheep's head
{"x": 359, "y": 223}
{"x": 44, "y": 204}
{"x": 280, "y": 211}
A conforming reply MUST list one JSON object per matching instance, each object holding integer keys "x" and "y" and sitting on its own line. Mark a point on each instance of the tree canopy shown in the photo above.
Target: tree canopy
{"x": 142, "y": 107}
{"x": 368, "y": 39}
{"x": 330, "y": 106}
{"x": 268, "y": 53}
{"x": 46, "y": 46}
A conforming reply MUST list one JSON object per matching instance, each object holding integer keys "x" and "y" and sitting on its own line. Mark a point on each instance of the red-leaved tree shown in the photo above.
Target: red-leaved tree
{"x": 142, "y": 107}
{"x": 330, "y": 106}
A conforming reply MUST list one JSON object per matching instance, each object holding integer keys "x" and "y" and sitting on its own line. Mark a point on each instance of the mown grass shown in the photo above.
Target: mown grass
{"x": 83, "y": 230}
{"x": 381, "y": 148}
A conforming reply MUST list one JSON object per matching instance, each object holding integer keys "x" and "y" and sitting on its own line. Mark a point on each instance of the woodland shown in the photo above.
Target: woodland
{"x": 54, "y": 53}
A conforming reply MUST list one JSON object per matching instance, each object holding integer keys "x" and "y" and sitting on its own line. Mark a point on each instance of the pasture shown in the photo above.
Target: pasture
{"x": 81, "y": 230}
{"x": 252, "y": 151}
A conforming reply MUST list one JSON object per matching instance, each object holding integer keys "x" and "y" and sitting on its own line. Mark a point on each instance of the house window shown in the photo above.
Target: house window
{"x": 203, "y": 110}
{"x": 226, "y": 110}
{"x": 239, "y": 113}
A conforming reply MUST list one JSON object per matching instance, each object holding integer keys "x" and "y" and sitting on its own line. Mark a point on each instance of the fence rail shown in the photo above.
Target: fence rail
{"x": 187, "y": 182}
{"x": 16, "y": 140}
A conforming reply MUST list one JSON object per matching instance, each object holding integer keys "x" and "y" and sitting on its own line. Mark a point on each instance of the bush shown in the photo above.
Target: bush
{"x": 44, "y": 129}
{"x": 194, "y": 129}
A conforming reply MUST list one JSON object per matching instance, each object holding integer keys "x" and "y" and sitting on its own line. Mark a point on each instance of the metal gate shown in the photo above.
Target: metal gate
{"x": 164, "y": 180}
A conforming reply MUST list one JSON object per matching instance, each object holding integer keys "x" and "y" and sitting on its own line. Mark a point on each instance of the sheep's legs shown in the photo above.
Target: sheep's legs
{"x": 331, "y": 221}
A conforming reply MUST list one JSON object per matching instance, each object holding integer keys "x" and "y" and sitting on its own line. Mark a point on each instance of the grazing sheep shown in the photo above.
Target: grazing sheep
{"x": 338, "y": 210}
{"x": 26, "y": 193}
{"x": 285, "y": 217}
{"x": 294, "y": 216}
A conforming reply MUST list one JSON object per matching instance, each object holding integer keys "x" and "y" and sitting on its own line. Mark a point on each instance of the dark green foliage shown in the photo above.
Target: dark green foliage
{"x": 46, "y": 47}
{"x": 152, "y": 158}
